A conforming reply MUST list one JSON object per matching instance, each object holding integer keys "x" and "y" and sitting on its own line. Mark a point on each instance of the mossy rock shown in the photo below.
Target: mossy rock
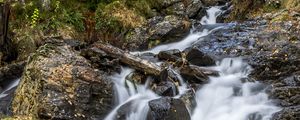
{"x": 117, "y": 16}
{"x": 242, "y": 8}
{"x": 59, "y": 84}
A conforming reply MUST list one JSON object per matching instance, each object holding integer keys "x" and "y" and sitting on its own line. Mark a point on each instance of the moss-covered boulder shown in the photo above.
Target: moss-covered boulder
{"x": 59, "y": 84}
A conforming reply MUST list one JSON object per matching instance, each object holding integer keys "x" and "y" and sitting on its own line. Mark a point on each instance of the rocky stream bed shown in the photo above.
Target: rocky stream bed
{"x": 202, "y": 70}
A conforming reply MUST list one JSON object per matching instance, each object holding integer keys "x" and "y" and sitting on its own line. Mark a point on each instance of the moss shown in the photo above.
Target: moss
{"x": 243, "y": 7}
{"x": 142, "y": 7}
{"x": 26, "y": 99}
{"x": 116, "y": 17}
{"x": 18, "y": 118}
{"x": 282, "y": 17}
{"x": 291, "y": 4}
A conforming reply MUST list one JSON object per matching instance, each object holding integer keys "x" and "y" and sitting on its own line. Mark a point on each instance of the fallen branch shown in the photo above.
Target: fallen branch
{"x": 129, "y": 59}
{"x": 147, "y": 66}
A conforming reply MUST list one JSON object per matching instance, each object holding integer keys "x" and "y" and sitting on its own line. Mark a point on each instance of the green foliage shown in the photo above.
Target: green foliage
{"x": 143, "y": 7}
{"x": 74, "y": 18}
{"x": 105, "y": 22}
{"x": 34, "y": 17}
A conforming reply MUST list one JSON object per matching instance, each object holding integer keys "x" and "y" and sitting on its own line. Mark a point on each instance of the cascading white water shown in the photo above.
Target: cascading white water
{"x": 9, "y": 87}
{"x": 227, "y": 98}
{"x": 224, "y": 98}
{"x": 194, "y": 36}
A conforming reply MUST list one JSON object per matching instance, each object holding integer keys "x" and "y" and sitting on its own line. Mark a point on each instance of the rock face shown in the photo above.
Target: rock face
{"x": 167, "y": 109}
{"x": 197, "y": 57}
{"x": 160, "y": 29}
{"x": 59, "y": 84}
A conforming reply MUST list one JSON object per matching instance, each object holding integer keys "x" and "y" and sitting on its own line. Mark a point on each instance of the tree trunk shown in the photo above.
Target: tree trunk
{"x": 4, "y": 11}
{"x": 6, "y": 47}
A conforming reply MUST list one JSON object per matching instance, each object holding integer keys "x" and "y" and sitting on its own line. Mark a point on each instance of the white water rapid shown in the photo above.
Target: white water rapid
{"x": 9, "y": 87}
{"x": 225, "y": 97}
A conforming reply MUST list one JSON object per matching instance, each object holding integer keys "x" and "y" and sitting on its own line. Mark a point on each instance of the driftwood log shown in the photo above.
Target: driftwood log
{"x": 147, "y": 66}
{"x": 129, "y": 59}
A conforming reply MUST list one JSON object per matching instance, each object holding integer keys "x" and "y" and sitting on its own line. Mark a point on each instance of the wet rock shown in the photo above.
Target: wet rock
{"x": 158, "y": 30}
{"x": 137, "y": 77}
{"x": 169, "y": 75}
{"x": 189, "y": 100}
{"x": 166, "y": 88}
{"x": 170, "y": 28}
{"x": 10, "y": 72}
{"x": 124, "y": 111}
{"x": 101, "y": 60}
{"x": 289, "y": 96}
{"x": 138, "y": 38}
{"x": 5, "y": 102}
{"x": 197, "y": 57}
{"x": 195, "y": 74}
{"x": 292, "y": 80}
{"x": 288, "y": 113}
{"x": 277, "y": 63}
{"x": 170, "y": 55}
{"x": 59, "y": 84}
{"x": 194, "y": 8}
{"x": 167, "y": 108}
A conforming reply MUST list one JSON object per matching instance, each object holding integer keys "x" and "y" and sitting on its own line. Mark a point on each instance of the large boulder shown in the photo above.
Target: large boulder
{"x": 162, "y": 29}
{"x": 170, "y": 28}
{"x": 196, "y": 57}
{"x": 194, "y": 7}
{"x": 167, "y": 108}
{"x": 59, "y": 84}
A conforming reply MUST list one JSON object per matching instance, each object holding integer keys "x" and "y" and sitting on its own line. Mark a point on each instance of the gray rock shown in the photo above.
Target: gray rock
{"x": 171, "y": 55}
{"x": 288, "y": 96}
{"x": 288, "y": 113}
{"x": 196, "y": 57}
{"x": 166, "y": 88}
{"x": 162, "y": 29}
{"x": 194, "y": 8}
{"x": 167, "y": 108}
{"x": 59, "y": 84}
{"x": 189, "y": 100}
{"x": 176, "y": 9}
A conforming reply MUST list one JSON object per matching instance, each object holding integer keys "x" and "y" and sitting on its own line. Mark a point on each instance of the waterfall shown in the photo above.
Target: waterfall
{"x": 227, "y": 97}
{"x": 12, "y": 85}
{"x": 224, "y": 98}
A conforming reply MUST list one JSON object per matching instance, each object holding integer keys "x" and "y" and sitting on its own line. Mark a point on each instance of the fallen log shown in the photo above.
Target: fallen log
{"x": 147, "y": 66}
{"x": 129, "y": 59}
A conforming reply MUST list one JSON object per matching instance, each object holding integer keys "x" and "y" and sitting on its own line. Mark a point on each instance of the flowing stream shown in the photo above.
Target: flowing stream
{"x": 227, "y": 97}
{"x": 12, "y": 85}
